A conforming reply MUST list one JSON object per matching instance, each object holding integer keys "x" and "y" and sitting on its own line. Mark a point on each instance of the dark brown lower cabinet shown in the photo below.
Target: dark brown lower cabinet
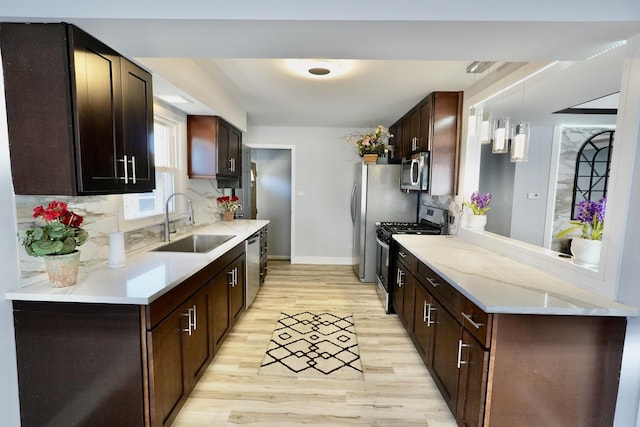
{"x": 180, "y": 349}
{"x": 86, "y": 364}
{"x": 496, "y": 370}
{"x": 444, "y": 369}
{"x": 472, "y": 385}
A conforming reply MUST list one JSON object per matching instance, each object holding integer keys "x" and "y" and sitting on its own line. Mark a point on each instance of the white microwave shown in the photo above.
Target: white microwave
{"x": 415, "y": 172}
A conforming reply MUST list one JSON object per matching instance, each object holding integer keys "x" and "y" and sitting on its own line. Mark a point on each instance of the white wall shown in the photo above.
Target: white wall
{"x": 323, "y": 177}
{"x": 528, "y": 215}
{"x": 9, "y": 405}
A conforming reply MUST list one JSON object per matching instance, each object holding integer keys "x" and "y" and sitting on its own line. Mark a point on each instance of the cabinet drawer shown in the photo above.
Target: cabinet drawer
{"x": 477, "y": 322}
{"x": 443, "y": 291}
{"x": 406, "y": 258}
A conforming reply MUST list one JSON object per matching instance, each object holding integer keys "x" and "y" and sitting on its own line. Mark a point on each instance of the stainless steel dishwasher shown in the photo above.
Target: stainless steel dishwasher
{"x": 253, "y": 268}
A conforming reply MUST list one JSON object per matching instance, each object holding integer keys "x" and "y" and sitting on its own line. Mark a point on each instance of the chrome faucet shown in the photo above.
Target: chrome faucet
{"x": 190, "y": 220}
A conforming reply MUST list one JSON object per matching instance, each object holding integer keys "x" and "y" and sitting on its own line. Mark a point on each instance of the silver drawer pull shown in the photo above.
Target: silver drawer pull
{"x": 402, "y": 254}
{"x": 433, "y": 282}
{"x": 470, "y": 320}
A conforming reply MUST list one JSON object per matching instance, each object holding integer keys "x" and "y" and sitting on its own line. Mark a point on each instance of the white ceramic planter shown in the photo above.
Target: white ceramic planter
{"x": 477, "y": 222}
{"x": 586, "y": 252}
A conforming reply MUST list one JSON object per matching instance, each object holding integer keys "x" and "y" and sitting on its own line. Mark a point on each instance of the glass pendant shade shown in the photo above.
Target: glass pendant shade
{"x": 501, "y": 135}
{"x": 472, "y": 124}
{"x": 520, "y": 142}
{"x": 485, "y": 128}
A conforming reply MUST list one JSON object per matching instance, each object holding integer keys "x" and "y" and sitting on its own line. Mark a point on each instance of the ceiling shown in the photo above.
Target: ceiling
{"x": 395, "y": 62}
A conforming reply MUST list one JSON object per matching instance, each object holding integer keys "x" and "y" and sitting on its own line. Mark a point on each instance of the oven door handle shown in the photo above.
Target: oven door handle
{"x": 381, "y": 243}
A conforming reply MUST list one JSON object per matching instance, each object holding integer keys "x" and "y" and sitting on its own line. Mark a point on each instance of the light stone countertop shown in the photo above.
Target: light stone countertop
{"x": 146, "y": 276}
{"x": 497, "y": 284}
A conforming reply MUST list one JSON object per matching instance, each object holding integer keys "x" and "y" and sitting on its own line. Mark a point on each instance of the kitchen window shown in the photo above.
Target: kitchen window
{"x": 146, "y": 209}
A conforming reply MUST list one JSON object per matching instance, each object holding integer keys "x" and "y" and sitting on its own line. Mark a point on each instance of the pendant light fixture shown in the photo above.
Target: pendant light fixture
{"x": 521, "y": 132}
{"x": 485, "y": 128}
{"x": 472, "y": 122}
{"x": 501, "y": 135}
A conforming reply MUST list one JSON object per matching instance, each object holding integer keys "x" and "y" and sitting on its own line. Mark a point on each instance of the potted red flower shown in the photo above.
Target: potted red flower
{"x": 57, "y": 235}
{"x": 229, "y": 205}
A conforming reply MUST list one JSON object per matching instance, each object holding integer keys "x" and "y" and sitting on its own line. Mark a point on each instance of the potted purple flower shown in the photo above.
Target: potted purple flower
{"x": 479, "y": 205}
{"x": 590, "y": 221}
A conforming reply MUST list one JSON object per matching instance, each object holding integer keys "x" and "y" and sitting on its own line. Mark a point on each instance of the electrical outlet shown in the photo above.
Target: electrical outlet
{"x": 533, "y": 196}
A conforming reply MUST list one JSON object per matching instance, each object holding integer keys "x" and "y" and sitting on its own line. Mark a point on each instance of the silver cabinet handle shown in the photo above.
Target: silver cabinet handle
{"x": 230, "y": 273}
{"x": 432, "y": 282}
{"x": 195, "y": 317}
{"x": 402, "y": 254}
{"x": 133, "y": 169}
{"x": 191, "y": 323}
{"x": 400, "y": 277}
{"x": 470, "y": 320}
{"x": 460, "y": 346}
{"x": 426, "y": 314}
{"x": 125, "y": 162}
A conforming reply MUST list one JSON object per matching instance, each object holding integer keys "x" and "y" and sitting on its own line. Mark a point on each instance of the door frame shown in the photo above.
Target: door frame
{"x": 292, "y": 149}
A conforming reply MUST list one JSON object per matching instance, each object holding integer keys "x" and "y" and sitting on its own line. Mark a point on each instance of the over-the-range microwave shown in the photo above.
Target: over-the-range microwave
{"x": 415, "y": 172}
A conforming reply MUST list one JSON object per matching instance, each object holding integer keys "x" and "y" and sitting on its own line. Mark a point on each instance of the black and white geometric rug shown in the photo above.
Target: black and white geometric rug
{"x": 313, "y": 345}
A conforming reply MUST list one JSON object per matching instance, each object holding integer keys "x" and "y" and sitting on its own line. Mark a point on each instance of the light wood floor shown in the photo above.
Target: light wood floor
{"x": 397, "y": 389}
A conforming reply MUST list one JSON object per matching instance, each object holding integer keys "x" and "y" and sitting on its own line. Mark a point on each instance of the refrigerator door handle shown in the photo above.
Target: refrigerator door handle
{"x": 353, "y": 204}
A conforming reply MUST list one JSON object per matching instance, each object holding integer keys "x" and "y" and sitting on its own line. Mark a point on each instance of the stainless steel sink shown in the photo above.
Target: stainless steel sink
{"x": 196, "y": 243}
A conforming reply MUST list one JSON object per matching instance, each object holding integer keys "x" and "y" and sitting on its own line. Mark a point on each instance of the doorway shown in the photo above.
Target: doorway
{"x": 274, "y": 196}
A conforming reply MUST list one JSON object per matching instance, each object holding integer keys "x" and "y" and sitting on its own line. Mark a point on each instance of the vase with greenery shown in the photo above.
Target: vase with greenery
{"x": 371, "y": 142}
{"x": 56, "y": 236}
{"x": 479, "y": 205}
{"x": 590, "y": 222}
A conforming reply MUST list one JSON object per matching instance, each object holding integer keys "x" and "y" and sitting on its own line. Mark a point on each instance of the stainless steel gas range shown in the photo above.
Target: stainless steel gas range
{"x": 431, "y": 221}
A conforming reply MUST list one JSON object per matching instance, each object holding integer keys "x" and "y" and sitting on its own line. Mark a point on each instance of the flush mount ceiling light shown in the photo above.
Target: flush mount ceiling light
{"x": 319, "y": 68}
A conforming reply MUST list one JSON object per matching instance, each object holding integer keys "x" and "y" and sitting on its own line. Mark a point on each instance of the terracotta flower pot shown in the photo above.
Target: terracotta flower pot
{"x": 62, "y": 269}
{"x": 370, "y": 158}
{"x": 228, "y": 216}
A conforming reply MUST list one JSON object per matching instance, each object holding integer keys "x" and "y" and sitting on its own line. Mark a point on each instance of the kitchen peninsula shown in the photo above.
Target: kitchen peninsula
{"x": 126, "y": 346}
{"x": 505, "y": 343}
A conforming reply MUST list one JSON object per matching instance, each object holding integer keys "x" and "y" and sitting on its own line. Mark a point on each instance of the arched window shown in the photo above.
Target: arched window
{"x": 592, "y": 169}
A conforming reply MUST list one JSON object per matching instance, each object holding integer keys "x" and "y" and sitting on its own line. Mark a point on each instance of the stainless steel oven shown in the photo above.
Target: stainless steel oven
{"x": 431, "y": 220}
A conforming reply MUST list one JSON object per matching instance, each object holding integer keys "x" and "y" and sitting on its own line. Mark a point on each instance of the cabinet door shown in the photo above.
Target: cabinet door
{"x": 167, "y": 381}
{"x": 474, "y": 365}
{"x": 423, "y": 323}
{"x": 137, "y": 127}
{"x": 220, "y": 303}
{"x": 408, "y": 301}
{"x": 235, "y": 151}
{"x": 224, "y": 155}
{"x": 98, "y": 112}
{"x": 198, "y": 346}
{"x": 236, "y": 292}
{"x": 444, "y": 366}
{"x": 396, "y": 155}
{"x": 444, "y": 142}
{"x": 426, "y": 124}
{"x": 397, "y": 295}
{"x": 413, "y": 136}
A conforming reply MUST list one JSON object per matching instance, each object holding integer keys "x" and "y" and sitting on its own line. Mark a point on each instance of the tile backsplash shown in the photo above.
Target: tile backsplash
{"x": 100, "y": 219}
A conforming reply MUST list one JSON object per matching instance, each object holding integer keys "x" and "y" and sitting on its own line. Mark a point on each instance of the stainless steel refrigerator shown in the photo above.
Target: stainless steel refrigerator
{"x": 376, "y": 197}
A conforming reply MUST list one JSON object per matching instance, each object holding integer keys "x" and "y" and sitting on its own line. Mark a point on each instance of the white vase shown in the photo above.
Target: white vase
{"x": 477, "y": 222}
{"x": 586, "y": 252}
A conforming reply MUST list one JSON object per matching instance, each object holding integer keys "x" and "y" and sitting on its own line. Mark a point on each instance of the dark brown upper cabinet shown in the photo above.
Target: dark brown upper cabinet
{"x": 433, "y": 125}
{"x": 80, "y": 115}
{"x": 214, "y": 150}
